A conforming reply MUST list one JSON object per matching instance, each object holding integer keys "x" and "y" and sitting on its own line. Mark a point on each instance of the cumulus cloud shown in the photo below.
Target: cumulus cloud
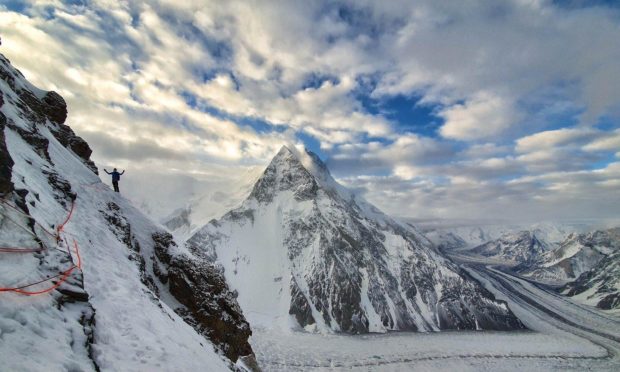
{"x": 551, "y": 138}
{"x": 482, "y": 117}
{"x": 522, "y": 95}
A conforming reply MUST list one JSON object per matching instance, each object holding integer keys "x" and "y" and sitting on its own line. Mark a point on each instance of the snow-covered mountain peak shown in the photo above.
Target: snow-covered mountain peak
{"x": 284, "y": 173}
{"x": 302, "y": 251}
{"x": 301, "y": 173}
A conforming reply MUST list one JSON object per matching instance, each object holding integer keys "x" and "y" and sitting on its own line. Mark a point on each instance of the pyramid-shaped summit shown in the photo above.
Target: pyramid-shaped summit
{"x": 304, "y": 252}
{"x": 285, "y": 172}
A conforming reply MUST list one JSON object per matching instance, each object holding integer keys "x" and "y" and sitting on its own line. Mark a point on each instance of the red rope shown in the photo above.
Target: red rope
{"x": 62, "y": 225}
{"x": 63, "y": 275}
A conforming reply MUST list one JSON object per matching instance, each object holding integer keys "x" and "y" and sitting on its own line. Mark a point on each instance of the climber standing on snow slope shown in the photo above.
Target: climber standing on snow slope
{"x": 115, "y": 177}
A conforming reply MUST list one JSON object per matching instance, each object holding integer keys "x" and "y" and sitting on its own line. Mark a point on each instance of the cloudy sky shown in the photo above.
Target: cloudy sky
{"x": 469, "y": 109}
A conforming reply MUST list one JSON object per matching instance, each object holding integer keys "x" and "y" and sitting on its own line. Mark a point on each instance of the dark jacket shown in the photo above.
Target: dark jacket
{"x": 115, "y": 175}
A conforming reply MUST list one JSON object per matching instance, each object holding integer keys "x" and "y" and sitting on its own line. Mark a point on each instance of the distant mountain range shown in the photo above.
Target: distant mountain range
{"x": 584, "y": 264}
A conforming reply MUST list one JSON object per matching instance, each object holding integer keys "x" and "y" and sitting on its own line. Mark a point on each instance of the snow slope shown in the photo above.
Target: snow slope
{"x": 302, "y": 251}
{"x": 120, "y": 311}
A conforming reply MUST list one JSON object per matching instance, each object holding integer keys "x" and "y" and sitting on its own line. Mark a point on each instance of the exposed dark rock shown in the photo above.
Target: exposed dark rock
{"x": 65, "y": 135}
{"x": 88, "y": 322}
{"x": 210, "y": 306}
{"x": 61, "y": 186}
{"x": 300, "y": 306}
{"x": 73, "y": 294}
{"x": 6, "y": 162}
{"x": 163, "y": 243}
{"x": 50, "y": 107}
{"x": 201, "y": 288}
{"x": 117, "y": 223}
{"x": 609, "y": 302}
{"x": 55, "y": 107}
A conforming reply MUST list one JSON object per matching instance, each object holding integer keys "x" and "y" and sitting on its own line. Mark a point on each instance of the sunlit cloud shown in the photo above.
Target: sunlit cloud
{"x": 426, "y": 108}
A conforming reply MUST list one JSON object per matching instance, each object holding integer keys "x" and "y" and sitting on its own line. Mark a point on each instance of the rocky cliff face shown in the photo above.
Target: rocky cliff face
{"x": 302, "y": 251}
{"x": 137, "y": 301}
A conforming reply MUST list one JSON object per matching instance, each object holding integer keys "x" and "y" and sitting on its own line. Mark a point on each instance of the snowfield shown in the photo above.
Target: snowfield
{"x": 562, "y": 335}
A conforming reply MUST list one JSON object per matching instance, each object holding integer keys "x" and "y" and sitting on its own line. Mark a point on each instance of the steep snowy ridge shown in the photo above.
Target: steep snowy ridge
{"x": 139, "y": 302}
{"x": 517, "y": 248}
{"x": 573, "y": 257}
{"x": 302, "y": 251}
{"x": 600, "y": 286}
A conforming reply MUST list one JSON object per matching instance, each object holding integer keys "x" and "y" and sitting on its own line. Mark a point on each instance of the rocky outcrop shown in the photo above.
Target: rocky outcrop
{"x": 209, "y": 303}
{"x": 47, "y": 108}
{"x": 54, "y": 107}
{"x": 65, "y": 135}
{"x": 210, "y": 307}
{"x": 6, "y": 163}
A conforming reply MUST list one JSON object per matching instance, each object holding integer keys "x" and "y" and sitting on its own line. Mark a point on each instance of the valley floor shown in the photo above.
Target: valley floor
{"x": 563, "y": 335}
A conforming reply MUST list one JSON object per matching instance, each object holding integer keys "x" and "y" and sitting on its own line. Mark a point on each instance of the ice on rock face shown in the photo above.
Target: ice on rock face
{"x": 344, "y": 265}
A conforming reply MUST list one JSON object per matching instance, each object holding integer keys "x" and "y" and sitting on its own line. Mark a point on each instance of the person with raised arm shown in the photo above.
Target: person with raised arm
{"x": 115, "y": 177}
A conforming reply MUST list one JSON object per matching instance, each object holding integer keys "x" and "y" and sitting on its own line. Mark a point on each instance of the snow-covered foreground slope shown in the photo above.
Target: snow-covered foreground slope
{"x": 302, "y": 251}
{"x": 131, "y": 303}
